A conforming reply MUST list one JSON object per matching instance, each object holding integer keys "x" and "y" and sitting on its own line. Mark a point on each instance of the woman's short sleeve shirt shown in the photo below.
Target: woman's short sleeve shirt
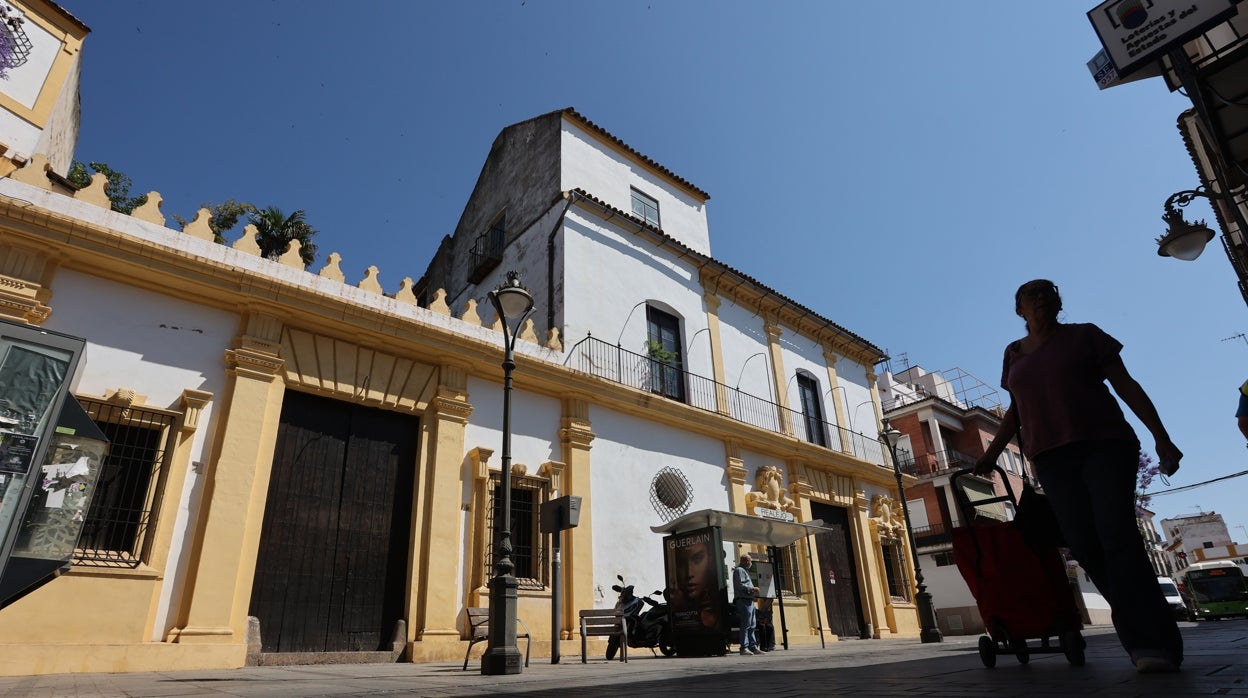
{"x": 1060, "y": 389}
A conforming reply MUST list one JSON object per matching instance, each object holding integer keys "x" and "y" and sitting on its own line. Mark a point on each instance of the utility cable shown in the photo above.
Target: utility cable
{"x": 1195, "y": 485}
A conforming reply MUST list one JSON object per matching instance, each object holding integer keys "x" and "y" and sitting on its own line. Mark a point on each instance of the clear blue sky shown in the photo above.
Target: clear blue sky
{"x": 898, "y": 167}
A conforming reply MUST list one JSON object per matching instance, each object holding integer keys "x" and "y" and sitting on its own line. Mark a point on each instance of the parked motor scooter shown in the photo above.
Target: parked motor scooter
{"x": 648, "y": 622}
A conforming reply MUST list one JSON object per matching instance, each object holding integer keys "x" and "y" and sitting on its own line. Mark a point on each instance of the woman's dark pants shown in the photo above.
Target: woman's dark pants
{"x": 1091, "y": 486}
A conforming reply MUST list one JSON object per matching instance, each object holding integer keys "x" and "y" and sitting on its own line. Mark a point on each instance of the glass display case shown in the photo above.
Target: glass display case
{"x": 36, "y": 367}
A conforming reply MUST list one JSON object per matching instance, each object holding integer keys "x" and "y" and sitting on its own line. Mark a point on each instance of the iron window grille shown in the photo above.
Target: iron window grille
{"x": 15, "y": 46}
{"x": 528, "y": 549}
{"x": 898, "y": 588}
{"x": 126, "y": 501}
{"x": 786, "y": 568}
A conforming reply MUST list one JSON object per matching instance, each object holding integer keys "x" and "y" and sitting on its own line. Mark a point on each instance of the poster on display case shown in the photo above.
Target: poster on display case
{"x": 696, "y": 582}
{"x": 17, "y": 452}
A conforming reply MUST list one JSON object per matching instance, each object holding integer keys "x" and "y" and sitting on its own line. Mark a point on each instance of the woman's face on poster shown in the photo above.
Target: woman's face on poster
{"x": 693, "y": 568}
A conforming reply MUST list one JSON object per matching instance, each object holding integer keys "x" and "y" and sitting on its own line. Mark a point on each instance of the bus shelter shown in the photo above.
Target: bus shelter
{"x": 696, "y": 575}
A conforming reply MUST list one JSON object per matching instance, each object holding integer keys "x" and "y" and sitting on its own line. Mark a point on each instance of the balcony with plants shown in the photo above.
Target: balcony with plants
{"x": 661, "y": 372}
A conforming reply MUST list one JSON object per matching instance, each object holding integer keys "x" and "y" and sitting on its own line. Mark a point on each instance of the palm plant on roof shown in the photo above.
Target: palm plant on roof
{"x": 275, "y": 230}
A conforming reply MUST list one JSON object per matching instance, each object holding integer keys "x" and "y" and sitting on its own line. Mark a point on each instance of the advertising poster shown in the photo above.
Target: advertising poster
{"x": 696, "y": 581}
{"x": 17, "y": 452}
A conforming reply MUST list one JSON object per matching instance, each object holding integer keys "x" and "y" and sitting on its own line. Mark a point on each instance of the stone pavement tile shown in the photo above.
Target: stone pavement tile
{"x": 1216, "y": 665}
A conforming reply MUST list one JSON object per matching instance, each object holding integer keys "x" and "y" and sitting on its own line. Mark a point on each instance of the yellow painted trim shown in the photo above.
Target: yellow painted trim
{"x": 222, "y": 564}
{"x": 717, "y": 352}
{"x": 576, "y": 437}
{"x": 778, "y": 375}
{"x": 71, "y": 37}
{"x": 437, "y": 606}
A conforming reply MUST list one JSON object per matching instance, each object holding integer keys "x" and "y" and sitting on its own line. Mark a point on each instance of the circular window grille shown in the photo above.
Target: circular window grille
{"x": 670, "y": 493}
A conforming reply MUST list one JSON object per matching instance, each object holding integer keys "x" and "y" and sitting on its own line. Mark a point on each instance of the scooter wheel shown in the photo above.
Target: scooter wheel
{"x": 613, "y": 646}
{"x": 665, "y": 645}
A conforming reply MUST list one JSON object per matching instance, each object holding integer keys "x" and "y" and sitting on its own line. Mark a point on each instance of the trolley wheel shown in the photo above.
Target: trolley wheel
{"x": 1021, "y": 651}
{"x": 987, "y": 651}
{"x": 1073, "y": 646}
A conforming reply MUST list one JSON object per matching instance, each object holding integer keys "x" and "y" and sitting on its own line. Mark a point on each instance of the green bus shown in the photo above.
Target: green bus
{"x": 1215, "y": 588}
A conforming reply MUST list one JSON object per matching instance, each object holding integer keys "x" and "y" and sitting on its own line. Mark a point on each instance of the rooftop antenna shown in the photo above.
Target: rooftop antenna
{"x": 1241, "y": 335}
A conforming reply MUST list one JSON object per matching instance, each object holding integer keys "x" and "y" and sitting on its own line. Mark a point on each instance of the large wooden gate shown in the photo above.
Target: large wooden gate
{"x": 332, "y": 568}
{"x": 838, "y": 572}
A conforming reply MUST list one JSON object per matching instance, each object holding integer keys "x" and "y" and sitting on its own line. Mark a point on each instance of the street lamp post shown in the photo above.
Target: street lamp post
{"x": 930, "y": 631}
{"x": 1184, "y": 240}
{"x": 514, "y": 305}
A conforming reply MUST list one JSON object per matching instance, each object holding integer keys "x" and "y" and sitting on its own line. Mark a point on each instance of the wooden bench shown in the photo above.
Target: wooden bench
{"x": 479, "y": 631}
{"x": 604, "y": 622}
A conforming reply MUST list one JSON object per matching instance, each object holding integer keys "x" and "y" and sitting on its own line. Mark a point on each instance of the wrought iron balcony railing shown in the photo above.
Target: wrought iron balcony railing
{"x": 669, "y": 379}
{"x": 924, "y": 464}
{"x": 932, "y": 535}
{"x": 486, "y": 253}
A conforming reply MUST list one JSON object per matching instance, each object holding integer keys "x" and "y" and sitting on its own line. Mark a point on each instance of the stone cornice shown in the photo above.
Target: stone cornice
{"x": 451, "y": 410}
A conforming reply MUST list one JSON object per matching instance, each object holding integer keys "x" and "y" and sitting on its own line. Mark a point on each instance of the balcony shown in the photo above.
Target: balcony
{"x": 929, "y": 464}
{"x": 486, "y": 254}
{"x": 936, "y": 534}
{"x": 614, "y": 363}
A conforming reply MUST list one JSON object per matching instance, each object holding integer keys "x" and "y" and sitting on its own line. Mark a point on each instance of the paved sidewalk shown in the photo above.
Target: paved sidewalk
{"x": 1216, "y": 664}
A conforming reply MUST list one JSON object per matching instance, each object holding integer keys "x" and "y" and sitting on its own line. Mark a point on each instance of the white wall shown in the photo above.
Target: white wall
{"x": 742, "y": 335}
{"x": 627, "y": 453}
{"x": 946, "y": 584}
{"x": 609, "y": 275}
{"x": 157, "y": 346}
{"x": 608, "y": 175}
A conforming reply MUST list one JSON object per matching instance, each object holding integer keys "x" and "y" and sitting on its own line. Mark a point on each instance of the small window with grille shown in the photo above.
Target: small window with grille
{"x": 528, "y": 550}
{"x": 787, "y": 570}
{"x": 125, "y": 505}
{"x": 894, "y": 568}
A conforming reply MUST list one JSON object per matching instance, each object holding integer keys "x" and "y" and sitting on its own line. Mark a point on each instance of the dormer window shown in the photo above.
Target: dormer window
{"x": 646, "y": 208}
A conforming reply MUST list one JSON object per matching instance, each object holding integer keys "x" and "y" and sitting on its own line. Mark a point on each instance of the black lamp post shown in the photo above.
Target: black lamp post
{"x": 930, "y": 631}
{"x": 514, "y": 305}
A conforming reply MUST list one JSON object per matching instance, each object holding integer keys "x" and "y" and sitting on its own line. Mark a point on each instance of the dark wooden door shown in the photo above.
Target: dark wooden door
{"x": 838, "y": 573}
{"x": 332, "y": 566}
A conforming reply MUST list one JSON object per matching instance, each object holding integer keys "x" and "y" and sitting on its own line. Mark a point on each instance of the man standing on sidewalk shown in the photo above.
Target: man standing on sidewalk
{"x": 745, "y": 592}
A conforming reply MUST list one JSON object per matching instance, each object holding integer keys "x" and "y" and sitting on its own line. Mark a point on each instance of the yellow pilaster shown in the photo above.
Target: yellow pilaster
{"x": 870, "y": 574}
{"x": 873, "y": 385}
{"x": 774, "y": 331}
{"x": 193, "y": 404}
{"x": 717, "y": 352}
{"x": 222, "y": 567}
{"x": 807, "y": 554}
{"x": 838, "y": 405}
{"x": 734, "y": 469}
{"x": 436, "y": 605}
{"x": 576, "y": 437}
